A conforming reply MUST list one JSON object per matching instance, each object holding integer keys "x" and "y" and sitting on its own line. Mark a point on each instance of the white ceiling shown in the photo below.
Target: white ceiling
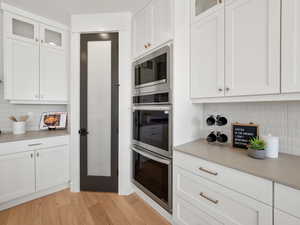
{"x": 61, "y": 10}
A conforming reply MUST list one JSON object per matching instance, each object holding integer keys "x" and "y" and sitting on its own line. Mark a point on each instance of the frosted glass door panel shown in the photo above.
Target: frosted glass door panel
{"x": 53, "y": 38}
{"x": 22, "y": 29}
{"x": 99, "y": 108}
{"x": 203, "y": 5}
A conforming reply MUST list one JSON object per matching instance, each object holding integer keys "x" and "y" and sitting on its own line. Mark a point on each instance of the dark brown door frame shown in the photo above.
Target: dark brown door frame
{"x": 94, "y": 183}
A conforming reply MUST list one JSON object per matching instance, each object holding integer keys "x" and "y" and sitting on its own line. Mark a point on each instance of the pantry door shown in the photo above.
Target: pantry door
{"x": 99, "y": 106}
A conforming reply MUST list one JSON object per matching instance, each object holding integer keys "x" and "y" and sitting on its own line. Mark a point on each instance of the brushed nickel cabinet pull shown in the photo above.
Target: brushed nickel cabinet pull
{"x": 208, "y": 171}
{"x": 208, "y": 198}
{"x": 37, "y": 144}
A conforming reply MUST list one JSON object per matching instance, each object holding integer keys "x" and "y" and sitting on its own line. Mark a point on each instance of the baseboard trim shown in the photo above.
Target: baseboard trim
{"x": 153, "y": 204}
{"x": 21, "y": 200}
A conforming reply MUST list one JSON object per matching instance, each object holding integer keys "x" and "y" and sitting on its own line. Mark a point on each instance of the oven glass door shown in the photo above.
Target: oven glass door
{"x": 153, "y": 175}
{"x": 151, "y": 128}
{"x": 151, "y": 72}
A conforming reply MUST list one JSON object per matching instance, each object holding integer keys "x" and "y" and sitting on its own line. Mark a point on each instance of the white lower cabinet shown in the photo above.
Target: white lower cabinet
{"x": 281, "y": 218}
{"x": 52, "y": 167}
{"x": 32, "y": 167}
{"x": 186, "y": 214}
{"x": 17, "y": 175}
{"x": 207, "y": 201}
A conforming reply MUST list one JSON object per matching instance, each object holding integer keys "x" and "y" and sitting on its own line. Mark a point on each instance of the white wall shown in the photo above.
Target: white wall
{"x": 280, "y": 119}
{"x": 187, "y": 116}
{"x": 120, "y": 22}
{"x": 7, "y": 109}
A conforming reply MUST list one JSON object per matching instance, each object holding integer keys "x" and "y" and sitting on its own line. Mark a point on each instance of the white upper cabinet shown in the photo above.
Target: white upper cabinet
{"x": 35, "y": 65}
{"x": 202, "y": 8}
{"x": 252, "y": 57}
{"x": 53, "y": 71}
{"x": 152, "y": 26}
{"x": 207, "y": 54}
{"x": 162, "y": 21}
{"x": 142, "y": 30}
{"x": 21, "y": 28}
{"x": 21, "y": 66}
{"x": 290, "y": 46}
{"x": 52, "y": 37}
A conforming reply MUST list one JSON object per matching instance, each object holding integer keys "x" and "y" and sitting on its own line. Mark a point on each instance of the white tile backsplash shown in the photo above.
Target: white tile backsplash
{"x": 281, "y": 119}
{"x": 7, "y": 109}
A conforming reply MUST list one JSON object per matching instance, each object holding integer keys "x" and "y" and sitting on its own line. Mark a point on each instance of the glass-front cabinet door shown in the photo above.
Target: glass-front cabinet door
{"x": 21, "y": 28}
{"x": 200, "y": 7}
{"x": 51, "y": 37}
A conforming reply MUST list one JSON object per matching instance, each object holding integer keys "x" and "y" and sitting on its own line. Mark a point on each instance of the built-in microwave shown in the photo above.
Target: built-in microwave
{"x": 152, "y": 128}
{"x": 153, "y": 72}
{"x": 152, "y": 174}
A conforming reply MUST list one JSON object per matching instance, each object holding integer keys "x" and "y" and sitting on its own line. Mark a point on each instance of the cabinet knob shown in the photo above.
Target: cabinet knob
{"x": 37, "y": 154}
{"x": 220, "y": 1}
{"x": 227, "y": 89}
{"x": 31, "y": 155}
{"x": 220, "y": 89}
{"x": 37, "y": 40}
{"x": 148, "y": 45}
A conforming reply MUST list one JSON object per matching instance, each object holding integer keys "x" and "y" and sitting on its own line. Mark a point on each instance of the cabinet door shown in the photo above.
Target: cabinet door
{"x": 252, "y": 47}
{"x": 21, "y": 69}
{"x": 52, "y": 167}
{"x": 203, "y": 8}
{"x": 142, "y": 31}
{"x": 53, "y": 75}
{"x": 52, "y": 37}
{"x": 207, "y": 55}
{"x": 20, "y": 28}
{"x": 17, "y": 175}
{"x": 290, "y": 78}
{"x": 281, "y": 218}
{"x": 162, "y": 21}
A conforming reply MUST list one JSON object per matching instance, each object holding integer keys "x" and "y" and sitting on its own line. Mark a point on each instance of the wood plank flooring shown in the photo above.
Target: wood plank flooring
{"x": 84, "y": 208}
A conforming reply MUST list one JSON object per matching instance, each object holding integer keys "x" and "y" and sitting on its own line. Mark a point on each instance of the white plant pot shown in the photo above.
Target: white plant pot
{"x": 19, "y": 127}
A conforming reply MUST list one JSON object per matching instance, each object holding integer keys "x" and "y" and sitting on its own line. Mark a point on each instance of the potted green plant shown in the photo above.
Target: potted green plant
{"x": 256, "y": 148}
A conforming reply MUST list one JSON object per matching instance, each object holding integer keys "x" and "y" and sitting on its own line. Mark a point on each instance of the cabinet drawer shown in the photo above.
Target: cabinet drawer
{"x": 287, "y": 199}
{"x": 255, "y": 187}
{"x": 187, "y": 214}
{"x": 220, "y": 201}
{"x": 34, "y": 144}
{"x": 281, "y": 218}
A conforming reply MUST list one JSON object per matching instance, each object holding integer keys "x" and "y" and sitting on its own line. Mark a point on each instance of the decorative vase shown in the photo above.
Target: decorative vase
{"x": 257, "y": 154}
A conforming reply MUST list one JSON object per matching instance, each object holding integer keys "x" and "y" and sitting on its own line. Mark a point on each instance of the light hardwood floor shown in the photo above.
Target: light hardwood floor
{"x": 84, "y": 208}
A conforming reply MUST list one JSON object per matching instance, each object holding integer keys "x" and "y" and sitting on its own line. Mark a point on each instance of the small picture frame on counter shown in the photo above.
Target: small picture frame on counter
{"x": 53, "y": 120}
{"x": 242, "y": 133}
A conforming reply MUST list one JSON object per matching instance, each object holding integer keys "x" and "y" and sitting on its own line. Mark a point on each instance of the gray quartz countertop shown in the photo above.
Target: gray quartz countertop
{"x": 9, "y": 137}
{"x": 284, "y": 170}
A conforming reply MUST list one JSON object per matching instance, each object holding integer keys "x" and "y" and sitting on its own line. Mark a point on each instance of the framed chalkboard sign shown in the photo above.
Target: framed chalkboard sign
{"x": 241, "y": 134}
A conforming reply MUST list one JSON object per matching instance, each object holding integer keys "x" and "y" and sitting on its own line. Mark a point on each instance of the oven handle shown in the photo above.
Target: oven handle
{"x": 154, "y": 108}
{"x": 155, "y": 158}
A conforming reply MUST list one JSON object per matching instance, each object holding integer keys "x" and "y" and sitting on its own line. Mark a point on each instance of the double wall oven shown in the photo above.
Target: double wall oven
{"x": 152, "y": 126}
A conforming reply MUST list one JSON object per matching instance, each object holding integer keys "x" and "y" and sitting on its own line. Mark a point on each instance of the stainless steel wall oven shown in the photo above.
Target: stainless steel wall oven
{"x": 152, "y": 120}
